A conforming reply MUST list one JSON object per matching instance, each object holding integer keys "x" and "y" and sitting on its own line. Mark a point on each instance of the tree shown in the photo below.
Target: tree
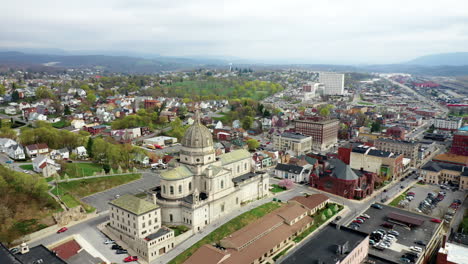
{"x": 15, "y": 96}
{"x": 2, "y": 89}
{"x": 286, "y": 183}
{"x": 89, "y": 147}
{"x": 247, "y": 122}
{"x": 43, "y": 92}
{"x": 376, "y": 126}
{"x": 253, "y": 144}
{"x": 90, "y": 97}
{"x": 67, "y": 111}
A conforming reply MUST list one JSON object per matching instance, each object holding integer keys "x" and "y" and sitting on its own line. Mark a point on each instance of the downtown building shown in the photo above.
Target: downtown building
{"x": 409, "y": 149}
{"x": 460, "y": 143}
{"x": 324, "y": 134}
{"x": 296, "y": 142}
{"x": 333, "y": 82}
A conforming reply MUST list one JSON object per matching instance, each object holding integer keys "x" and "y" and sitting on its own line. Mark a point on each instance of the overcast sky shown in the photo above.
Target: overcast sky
{"x": 331, "y": 31}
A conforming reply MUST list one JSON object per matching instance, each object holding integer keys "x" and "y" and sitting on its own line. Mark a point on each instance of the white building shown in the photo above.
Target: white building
{"x": 333, "y": 82}
{"x": 137, "y": 222}
{"x": 293, "y": 172}
{"x": 296, "y": 142}
{"x": 161, "y": 140}
{"x": 204, "y": 187}
{"x": 44, "y": 165}
{"x": 448, "y": 123}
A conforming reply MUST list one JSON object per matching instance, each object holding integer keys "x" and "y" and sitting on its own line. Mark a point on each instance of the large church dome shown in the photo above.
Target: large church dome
{"x": 197, "y": 136}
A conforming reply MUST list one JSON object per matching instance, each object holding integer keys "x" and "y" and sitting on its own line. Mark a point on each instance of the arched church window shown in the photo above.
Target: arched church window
{"x": 245, "y": 166}
{"x": 171, "y": 190}
{"x": 170, "y": 218}
{"x": 164, "y": 188}
{"x": 222, "y": 184}
{"x": 180, "y": 188}
{"x": 189, "y": 186}
{"x": 238, "y": 168}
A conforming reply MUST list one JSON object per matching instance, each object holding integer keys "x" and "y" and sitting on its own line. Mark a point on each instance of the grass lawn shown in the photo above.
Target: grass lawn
{"x": 464, "y": 224}
{"x": 228, "y": 228}
{"x": 398, "y": 199}
{"x": 86, "y": 187}
{"x": 78, "y": 170}
{"x": 277, "y": 189}
{"x": 318, "y": 221}
{"x": 275, "y": 258}
{"x": 61, "y": 124}
{"x": 27, "y": 167}
{"x": 69, "y": 200}
{"x": 180, "y": 229}
{"x": 49, "y": 179}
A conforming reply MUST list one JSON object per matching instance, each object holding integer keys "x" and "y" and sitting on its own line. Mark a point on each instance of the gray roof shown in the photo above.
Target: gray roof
{"x": 438, "y": 166}
{"x": 323, "y": 247}
{"x": 342, "y": 171}
{"x": 293, "y": 135}
{"x": 289, "y": 168}
{"x": 379, "y": 153}
{"x": 40, "y": 252}
{"x": 197, "y": 136}
{"x": 134, "y": 204}
{"x": 6, "y": 257}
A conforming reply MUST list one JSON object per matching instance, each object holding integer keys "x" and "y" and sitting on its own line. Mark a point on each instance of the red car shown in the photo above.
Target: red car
{"x": 61, "y": 230}
{"x": 411, "y": 193}
{"x": 436, "y": 220}
{"x": 158, "y": 147}
{"x": 131, "y": 258}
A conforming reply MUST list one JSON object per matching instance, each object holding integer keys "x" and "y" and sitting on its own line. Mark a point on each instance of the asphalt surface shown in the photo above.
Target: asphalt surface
{"x": 100, "y": 200}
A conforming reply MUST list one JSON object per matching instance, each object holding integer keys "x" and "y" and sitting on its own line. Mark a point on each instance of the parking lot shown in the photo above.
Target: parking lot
{"x": 407, "y": 236}
{"x": 421, "y": 192}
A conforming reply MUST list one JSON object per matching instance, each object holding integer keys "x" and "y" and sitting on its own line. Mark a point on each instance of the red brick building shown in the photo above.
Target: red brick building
{"x": 396, "y": 133}
{"x": 338, "y": 178}
{"x": 460, "y": 143}
{"x": 152, "y": 104}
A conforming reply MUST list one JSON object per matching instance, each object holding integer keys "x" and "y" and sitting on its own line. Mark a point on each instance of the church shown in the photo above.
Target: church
{"x": 204, "y": 187}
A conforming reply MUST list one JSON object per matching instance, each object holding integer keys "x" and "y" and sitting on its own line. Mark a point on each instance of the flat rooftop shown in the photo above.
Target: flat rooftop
{"x": 294, "y": 135}
{"x": 421, "y": 229}
{"x": 323, "y": 246}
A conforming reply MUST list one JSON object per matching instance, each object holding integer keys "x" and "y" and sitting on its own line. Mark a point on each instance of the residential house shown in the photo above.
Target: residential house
{"x": 10, "y": 110}
{"x": 37, "y": 149}
{"x": 44, "y": 165}
{"x": 60, "y": 154}
{"x": 80, "y": 152}
{"x": 16, "y": 152}
{"x": 5, "y": 143}
{"x": 293, "y": 172}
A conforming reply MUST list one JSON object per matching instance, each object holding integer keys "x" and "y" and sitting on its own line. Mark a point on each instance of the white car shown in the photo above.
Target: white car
{"x": 366, "y": 216}
{"x": 416, "y": 249}
{"x": 108, "y": 241}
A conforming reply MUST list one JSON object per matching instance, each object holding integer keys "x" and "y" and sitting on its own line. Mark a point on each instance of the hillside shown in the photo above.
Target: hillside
{"x": 443, "y": 59}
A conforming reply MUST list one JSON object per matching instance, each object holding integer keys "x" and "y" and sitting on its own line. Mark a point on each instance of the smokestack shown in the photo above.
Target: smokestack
{"x": 154, "y": 198}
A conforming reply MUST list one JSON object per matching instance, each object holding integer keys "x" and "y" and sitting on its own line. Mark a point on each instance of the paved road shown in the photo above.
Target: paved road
{"x": 100, "y": 200}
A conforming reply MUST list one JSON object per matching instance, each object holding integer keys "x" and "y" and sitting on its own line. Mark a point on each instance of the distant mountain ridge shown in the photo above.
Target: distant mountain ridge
{"x": 442, "y": 59}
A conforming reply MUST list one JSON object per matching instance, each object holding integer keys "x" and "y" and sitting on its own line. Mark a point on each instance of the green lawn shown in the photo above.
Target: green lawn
{"x": 228, "y": 228}
{"x": 27, "y": 167}
{"x": 78, "y": 170}
{"x": 86, "y": 187}
{"x": 398, "y": 199}
{"x": 69, "y": 201}
{"x": 365, "y": 103}
{"x": 464, "y": 224}
{"x": 180, "y": 229}
{"x": 61, "y": 124}
{"x": 277, "y": 189}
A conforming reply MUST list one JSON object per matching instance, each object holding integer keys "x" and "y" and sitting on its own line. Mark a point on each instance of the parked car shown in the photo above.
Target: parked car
{"x": 61, "y": 230}
{"x": 394, "y": 232}
{"x": 416, "y": 249}
{"x": 420, "y": 242}
{"x": 371, "y": 242}
{"x": 359, "y": 221}
{"x": 131, "y": 258}
{"x": 366, "y": 216}
{"x": 9, "y": 161}
{"x": 14, "y": 250}
{"x": 115, "y": 246}
{"x": 387, "y": 225}
{"x": 434, "y": 220}
{"x": 108, "y": 241}
{"x": 121, "y": 251}
{"x": 411, "y": 193}
{"x": 376, "y": 206}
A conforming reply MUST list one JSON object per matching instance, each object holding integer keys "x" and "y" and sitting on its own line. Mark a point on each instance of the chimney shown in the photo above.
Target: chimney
{"x": 154, "y": 198}
{"x": 24, "y": 248}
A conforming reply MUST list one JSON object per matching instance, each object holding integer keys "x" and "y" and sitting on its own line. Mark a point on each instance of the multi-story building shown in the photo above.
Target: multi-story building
{"x": 451, "y": 124}
{"x": 296, "y": 142}
{"x": 410, "y": 149}
{"x": 460, "y": 143}
{"x": 333, "y": 82}
{"x": 138, "y": 223}
{"x": 445, "y": 173}
{"x": 324, "y": 134}
{"x": 387, "y": 165}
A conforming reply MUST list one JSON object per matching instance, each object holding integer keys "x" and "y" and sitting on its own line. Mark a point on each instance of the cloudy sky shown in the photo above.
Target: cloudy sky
{"x": 331, "y": 31}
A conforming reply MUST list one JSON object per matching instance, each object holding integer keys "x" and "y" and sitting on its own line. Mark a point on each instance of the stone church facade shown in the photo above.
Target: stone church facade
{"x": 204, "y": 187}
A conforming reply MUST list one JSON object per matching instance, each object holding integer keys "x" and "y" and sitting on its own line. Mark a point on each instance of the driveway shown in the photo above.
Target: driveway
{"x": 100, "y": 200}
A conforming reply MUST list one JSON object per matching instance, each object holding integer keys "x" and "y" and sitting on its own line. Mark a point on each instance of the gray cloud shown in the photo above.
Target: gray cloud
{"x": 340, "y": 31}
